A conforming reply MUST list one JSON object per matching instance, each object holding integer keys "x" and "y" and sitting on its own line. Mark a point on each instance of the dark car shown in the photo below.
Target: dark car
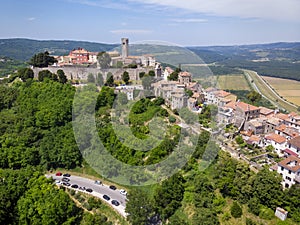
{"x": 89, "y": 190}
{"x": 67, "y": 175}
{"x": 106, "y": 197}
{"x": 74, "y": 186}
{"x": 115, "y": 202}
{"x": 58, "y": 174}
{"x": 112, "y": 187}
{"x": 66, "y": 184}
{"x": 65, "y": 179}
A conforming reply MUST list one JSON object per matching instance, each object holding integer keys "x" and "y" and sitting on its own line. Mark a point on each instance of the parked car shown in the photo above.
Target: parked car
{"x": 57, "y": 181}
{"x": 74, "y": 186}
{"x": 58, "y": 174}
{"x": 66, "y": 184}
{"x": 67, "y": 175}
{"x": 65, "y": 179}
{"x": 112, "y": 187}
{"x": 115, "y": 202}
{"x": 89, "y": 190}
{"x": 106, "y": 197}
{"x": 123, "y": 192}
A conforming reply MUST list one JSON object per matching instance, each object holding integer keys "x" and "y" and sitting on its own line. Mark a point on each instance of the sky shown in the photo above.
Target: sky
{"x": 182, "y": 22}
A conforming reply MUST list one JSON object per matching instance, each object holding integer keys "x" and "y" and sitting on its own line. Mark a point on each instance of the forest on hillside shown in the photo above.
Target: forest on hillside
{"x": 36, "y": 135}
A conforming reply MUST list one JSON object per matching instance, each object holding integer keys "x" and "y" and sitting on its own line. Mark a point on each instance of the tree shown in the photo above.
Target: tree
{"x": 141, "y": 74}
{"x": 204, "y": 216}
{"x": 42, "y": 59}
{"x": 174, "y": 76}
{"x": 62, "y": 78}
{"x": 168, "y": 196}
{"x": 147, "y": 81}
{"x": 43, "y": 74}
{"x": 236, "y": 210}
{"x": 292, "y": 202}
{"x": 99, "y": 80}
{"x": 189, "y": 92}
{"x": 91, "y": 78}
{"x": 110, "y": 79}
{"x": 267, "y": 188}
{"x": 139, "y": 208}
{"x": 125, "y": 77}
{"x": 25, "y": 74}
{"x": 151, "y": 73}
{"x": 104, "y": 60}
{"x": 254, "y": 96}
{"x": 45, "y": 204}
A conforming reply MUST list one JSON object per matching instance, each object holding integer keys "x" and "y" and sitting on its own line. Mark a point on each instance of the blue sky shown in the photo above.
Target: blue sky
{"x": 183, "y": 22}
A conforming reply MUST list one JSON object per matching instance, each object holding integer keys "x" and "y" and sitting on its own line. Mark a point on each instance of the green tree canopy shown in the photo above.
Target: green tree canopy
{"x": 236, "y": 210}
{"x": 62, "y": 78}
{"x": 25, "y": 73}
{"x": 99, "y": 80}
{"x": 103, "y": 60}
{"x": 110, "y": 79}
{"x": 42, "y": 59}
{"x": 125, "y": 77}
{"x": 91, "y": 78}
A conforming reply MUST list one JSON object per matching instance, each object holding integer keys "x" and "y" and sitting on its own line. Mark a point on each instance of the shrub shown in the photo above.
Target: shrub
{"x": 236, "y": 210}
{"x": 250, "y": 222}
{"x": 266, "y": 213}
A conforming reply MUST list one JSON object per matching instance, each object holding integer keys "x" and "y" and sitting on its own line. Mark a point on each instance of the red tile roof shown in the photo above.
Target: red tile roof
{"x": 275, "y": 137}
{"x": 184, "y": 74}
{"x": 265, "y": 111}
{"x": 290, "y": 152}
{"x": 246, "y": 107}
{"x": 295, "y": 142}
{"x": 291, "y": 163}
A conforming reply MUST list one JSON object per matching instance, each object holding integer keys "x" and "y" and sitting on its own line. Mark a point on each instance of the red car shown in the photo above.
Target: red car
{"x": 58, "y": 174}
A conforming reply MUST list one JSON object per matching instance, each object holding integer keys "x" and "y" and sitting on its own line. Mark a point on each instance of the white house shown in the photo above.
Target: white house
{"x": 277, "y": 141}
{"x": 289, "y": 169}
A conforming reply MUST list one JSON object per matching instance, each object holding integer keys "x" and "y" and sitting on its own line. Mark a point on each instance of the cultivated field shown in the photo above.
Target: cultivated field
{"x": 288, "y": 89}
{"x": 233, "y": 82}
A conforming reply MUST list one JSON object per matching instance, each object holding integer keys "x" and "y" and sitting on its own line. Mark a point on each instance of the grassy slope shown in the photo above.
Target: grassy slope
{"x": 265, "y": 90}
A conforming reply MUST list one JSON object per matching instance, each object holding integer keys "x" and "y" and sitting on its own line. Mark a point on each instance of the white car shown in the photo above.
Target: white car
{"x": 123, "y": 192}
{"x": 57, "y": 181}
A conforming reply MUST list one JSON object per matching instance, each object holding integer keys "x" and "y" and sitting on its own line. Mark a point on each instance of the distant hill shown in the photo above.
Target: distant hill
{"x": 23, "y": 49}
{"x": 276, "y": 59}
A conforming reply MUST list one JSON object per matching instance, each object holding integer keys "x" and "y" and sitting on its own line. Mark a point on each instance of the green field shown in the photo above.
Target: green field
{"x": 233, "y": 82}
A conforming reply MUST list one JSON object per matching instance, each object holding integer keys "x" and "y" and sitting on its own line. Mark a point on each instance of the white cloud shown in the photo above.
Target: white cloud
{"x": 191, "y": 20}
{"x": 31, "y": 18}
{"x": 285, "y": 10}
{"x": 130, "y": 31}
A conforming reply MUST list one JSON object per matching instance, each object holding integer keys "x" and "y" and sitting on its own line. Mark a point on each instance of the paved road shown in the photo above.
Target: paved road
{"x": 276, "y": 96}
{"x": 98, "y": 191}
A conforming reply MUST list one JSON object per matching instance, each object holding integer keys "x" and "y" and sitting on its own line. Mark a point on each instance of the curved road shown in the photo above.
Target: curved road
{"x": 98, "y": 191}
{"x": 291, "y": 106}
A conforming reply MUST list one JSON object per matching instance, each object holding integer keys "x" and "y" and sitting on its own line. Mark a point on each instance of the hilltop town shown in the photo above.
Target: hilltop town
{"x": 259, "y": 136}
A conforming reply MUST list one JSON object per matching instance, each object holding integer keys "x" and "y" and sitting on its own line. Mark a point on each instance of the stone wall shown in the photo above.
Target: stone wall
{"x": 81, "y": 73}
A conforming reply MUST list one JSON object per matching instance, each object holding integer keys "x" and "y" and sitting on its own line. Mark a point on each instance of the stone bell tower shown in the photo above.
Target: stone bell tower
{"x": 125, "y": 46}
